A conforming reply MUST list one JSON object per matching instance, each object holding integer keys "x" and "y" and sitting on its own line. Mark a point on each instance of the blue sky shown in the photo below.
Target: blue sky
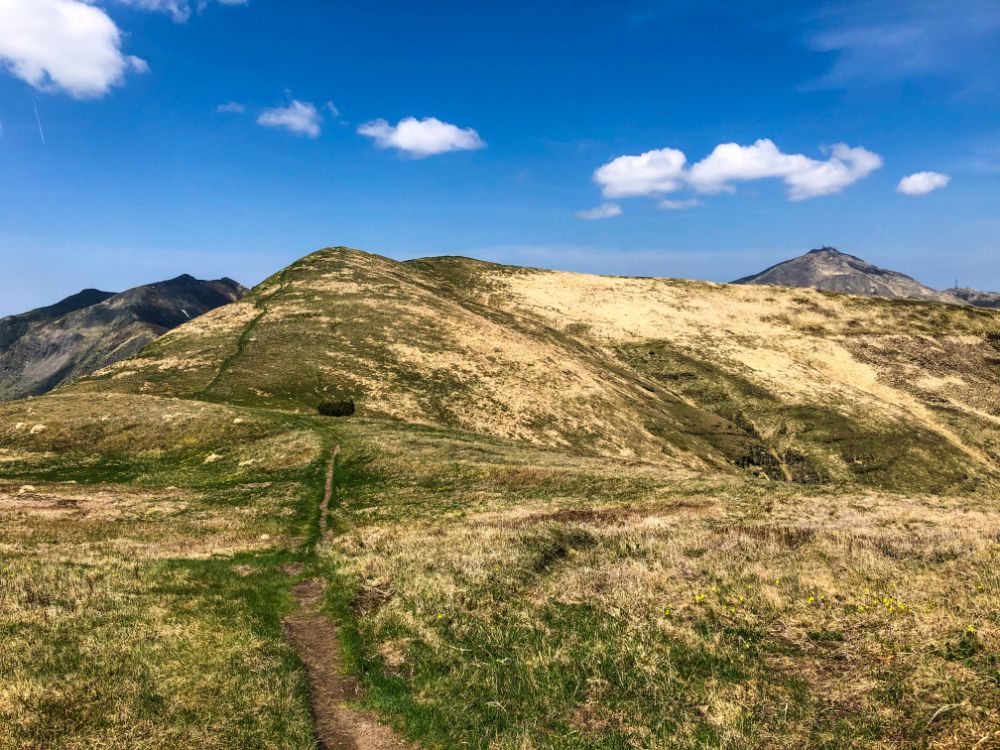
{"x": 230, "y": 138}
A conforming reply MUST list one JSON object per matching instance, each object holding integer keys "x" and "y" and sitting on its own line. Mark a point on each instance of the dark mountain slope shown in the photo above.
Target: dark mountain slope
{"x": 14, "y": 326}
{"x": 830, "y": 270}
{"x": 90, "y": 330}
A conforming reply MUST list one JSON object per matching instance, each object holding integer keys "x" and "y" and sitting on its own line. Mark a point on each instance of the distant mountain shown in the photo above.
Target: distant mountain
{"x": 833, "y": 271}
{"x": 44, "y": 347}
{"x": 15, "y": 326}
{"x": 976, "y": 298}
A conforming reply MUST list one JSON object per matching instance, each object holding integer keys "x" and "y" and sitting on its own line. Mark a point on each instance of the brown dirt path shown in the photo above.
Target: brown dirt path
{"x": 336, "y": 725}
{"x": 324, "y": 521}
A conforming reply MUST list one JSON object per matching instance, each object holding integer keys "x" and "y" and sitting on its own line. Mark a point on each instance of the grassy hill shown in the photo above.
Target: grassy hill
{"x": 792, "y": 384}
{"x": 571, "y": 512}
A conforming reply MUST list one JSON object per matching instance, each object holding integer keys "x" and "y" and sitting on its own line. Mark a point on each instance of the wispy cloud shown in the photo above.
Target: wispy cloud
{"x": 878, "y": 42}
{"x": 234, "y": 108}
{"x": 422, "y": 138}
{"x": 38, "y": 119}
{"x": 179, "y": 10}
{"x": 301, "y": 118}
{"x": 603, "y": 211}
{"x": 670, "y": 205}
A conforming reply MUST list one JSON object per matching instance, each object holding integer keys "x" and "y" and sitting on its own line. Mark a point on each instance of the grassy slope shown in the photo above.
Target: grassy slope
{"x": 891, "y": 394}
{"x": 330, "y": 326}
{"x": 549, "y": 592}
{"x": 141, "y": 588}
{"x": 513, "y": 598}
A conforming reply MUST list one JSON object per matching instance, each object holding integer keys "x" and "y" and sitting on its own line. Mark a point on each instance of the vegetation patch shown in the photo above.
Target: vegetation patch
{"x": 336, "y": 408}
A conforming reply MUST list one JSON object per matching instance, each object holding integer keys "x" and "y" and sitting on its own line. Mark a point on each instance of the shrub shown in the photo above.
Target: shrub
{"x": 336, "y": 408}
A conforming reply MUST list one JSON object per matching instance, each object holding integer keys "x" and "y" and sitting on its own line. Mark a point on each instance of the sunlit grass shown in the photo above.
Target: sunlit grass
{"x": 141, "y": 586}
{"x": 598, "y": 607}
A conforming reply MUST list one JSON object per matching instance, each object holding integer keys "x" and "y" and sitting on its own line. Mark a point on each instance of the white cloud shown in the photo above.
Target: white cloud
{"x": 422, "y": 138}
{"x": 669, "y": 205}
{"x": 231, "y": 108}
{"x": 137, "y": 64}
{"x": 730, "y": 162}
{"x": 603, "y": 211}
{"x": 658, "y": 172}
{"x": 922, "y": 183}
{"x": 650, "y": 173}
{"x": 845, "y": 166}
{"x": 63, "y": 44}
{"x": 298, "y": 117}
{"x": 805, "y": 177}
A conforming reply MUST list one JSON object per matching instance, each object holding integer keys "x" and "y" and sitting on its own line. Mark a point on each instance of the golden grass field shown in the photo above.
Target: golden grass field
{"x": 572, "y": 512}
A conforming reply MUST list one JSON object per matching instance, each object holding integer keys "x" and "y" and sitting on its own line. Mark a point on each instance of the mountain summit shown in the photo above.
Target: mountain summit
{"x": 92, "y": 329}
{"x": 830, "y": 270}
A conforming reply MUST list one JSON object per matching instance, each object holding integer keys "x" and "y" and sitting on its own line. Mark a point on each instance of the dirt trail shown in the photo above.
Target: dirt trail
{"x": 324, "y": 519}
{"x": 336, "y": 725}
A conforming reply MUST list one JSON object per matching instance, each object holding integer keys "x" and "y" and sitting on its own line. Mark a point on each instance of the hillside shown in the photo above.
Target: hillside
{"x": 45, "y": 347}
{"x": 13, "y": 327}
{"x": 830, "y": 270}
{"x": 793, "y": 384}
{"x": 572, "y": 511}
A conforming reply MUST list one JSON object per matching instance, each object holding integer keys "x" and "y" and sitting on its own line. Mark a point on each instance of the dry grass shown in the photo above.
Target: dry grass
{"x": 536, "y": 604}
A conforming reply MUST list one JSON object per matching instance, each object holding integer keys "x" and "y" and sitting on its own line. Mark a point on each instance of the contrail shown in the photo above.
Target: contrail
{"x": 38, "y": 118}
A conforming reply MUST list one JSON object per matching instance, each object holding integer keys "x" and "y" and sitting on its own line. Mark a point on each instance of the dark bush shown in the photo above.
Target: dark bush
{"x": 336, "y": 408}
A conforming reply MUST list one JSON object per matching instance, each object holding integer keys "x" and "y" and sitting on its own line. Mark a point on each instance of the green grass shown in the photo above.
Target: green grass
{"x": 538, "y": 607}
{"x": 141, "y": 601}
{"x": 490, "y": 594}
{"x": 121, "y": 654}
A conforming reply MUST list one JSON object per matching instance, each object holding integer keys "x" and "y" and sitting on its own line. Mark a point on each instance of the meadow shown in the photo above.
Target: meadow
{"x": 569, "y": 512}
{"x": 504, "y": 598}
{"x": 142, "y": 545}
